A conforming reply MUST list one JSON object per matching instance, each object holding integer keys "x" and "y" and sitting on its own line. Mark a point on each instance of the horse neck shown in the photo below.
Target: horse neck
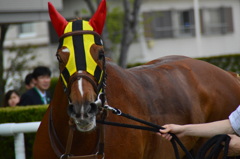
{"x": 122, "y": 85}
{"x": 59, "y": 105}
{"x": 115, "y": 74}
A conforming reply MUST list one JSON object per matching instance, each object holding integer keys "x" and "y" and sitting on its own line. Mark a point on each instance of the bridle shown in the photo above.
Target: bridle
{"x": 78, "y": 76}
{"x": 99, "y": 89}
{"x": 79, "y": 32}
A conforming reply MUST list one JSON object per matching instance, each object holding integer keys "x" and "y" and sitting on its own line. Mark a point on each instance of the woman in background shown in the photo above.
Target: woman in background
{"x": 11, "y": 99}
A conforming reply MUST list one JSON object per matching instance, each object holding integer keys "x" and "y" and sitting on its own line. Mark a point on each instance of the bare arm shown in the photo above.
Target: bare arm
{"x": 209, "y": 129}
{"x": 200, "y": 130}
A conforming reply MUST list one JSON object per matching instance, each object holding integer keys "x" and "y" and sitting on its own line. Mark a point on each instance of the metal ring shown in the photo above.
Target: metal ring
{"x": 118, "y": 112}
{"x": 63, "y": 156}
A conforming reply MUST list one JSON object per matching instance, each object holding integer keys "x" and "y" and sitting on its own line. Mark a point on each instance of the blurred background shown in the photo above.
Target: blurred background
{"x": 136, "y": 31}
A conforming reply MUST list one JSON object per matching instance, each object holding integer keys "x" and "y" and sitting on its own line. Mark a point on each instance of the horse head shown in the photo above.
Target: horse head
{"x": 80, "y": 55}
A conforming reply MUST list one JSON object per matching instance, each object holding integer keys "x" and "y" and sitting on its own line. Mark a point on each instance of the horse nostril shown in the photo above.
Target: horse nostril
{"x": 70, "y": 109}
{"x": 78, "y": 115}
{"x": 94, "y": 108}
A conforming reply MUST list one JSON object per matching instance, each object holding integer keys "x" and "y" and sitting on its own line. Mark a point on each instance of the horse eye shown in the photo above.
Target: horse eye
{"x": 101, "y": 55}
{"x": 59, "y": 58}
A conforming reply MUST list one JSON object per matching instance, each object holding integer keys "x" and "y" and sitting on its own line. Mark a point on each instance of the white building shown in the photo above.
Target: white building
{"x": 181, "y": 27}
{"x": 173, "y": 27}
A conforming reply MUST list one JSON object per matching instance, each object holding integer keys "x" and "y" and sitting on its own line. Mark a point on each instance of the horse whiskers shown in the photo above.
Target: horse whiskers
{"x": 84, "y": 119}
{"x": 84, "y": 125}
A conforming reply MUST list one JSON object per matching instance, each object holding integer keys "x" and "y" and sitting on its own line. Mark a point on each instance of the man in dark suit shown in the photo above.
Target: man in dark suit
{"x": 38, "y": 95}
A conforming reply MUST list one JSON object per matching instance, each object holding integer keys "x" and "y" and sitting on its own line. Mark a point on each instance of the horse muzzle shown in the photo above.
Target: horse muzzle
{"x": 85, "y": 125}
{"x": 85, "y": 116}
{"x": 85, "y": 119}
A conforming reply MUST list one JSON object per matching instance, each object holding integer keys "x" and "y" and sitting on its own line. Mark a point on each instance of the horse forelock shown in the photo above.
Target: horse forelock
{"x": 78, "y": 18}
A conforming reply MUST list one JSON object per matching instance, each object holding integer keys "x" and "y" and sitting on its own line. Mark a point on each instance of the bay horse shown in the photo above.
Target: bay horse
{"x": 171, "y": 89}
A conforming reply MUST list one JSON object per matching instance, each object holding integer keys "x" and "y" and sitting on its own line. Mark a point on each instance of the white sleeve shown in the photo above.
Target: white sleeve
{"x": 234, "y": 118}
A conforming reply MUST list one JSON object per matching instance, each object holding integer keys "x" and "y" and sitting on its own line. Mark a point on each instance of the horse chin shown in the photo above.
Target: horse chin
{"x": 85, "y": 125}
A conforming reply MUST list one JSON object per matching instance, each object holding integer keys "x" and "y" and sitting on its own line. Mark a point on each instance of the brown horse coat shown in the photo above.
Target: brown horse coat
{"x": 172, "y": 89}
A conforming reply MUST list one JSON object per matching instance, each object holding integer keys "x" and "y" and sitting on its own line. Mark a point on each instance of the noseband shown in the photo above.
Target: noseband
{"x": 78, "y": 76}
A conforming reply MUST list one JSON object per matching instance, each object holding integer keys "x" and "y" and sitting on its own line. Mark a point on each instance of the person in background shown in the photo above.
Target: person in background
{"x": 38, "y": 95}
{"x": 11, "y": 99}
{"x": 29, "y": 81}
{"x": 230, "y": 126}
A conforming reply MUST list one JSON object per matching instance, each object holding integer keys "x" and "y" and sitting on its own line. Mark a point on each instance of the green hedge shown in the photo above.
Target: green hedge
{"x": 226, "y": 62}
{"x": 19, "y": 115}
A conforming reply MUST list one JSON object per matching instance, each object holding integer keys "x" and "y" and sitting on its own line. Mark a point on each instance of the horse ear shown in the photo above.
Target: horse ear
{"x": 58, "y": 21}
{"x": 98, "y": 19}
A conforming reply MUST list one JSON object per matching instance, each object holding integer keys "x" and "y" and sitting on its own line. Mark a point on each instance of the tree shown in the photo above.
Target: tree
{"x": 18, "y": 65}
{"x": 125, "y": 21}
{"x": 129, "y": 30}
{"x": 3, "y": 31}
{"x": 107, "y": 38}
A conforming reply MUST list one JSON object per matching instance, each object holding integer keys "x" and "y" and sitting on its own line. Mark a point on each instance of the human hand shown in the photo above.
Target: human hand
{"x": 171, "y": 128}
{"x": 234, "y": 145}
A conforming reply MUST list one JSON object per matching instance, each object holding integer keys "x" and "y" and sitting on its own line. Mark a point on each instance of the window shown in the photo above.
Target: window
{"x": 26, "y": 30}
{"x": 158, "y": 24}
{"x": 187, "y": 26}
{"x": 181, "y": 23}
{"x": 167, "y": 24}
{"x": 217, "y": 21}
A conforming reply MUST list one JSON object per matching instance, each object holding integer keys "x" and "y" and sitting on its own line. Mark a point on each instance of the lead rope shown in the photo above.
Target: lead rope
{"x": 212, "y": 148}
{"x": 153, "y": 128}
{"x": 214, "y": 144}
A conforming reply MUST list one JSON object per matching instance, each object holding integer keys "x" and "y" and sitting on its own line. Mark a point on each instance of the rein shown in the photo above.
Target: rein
{"x": 153, "y": 127}
{"x": 210, "y": 150}
{"x": 215, "y": 146}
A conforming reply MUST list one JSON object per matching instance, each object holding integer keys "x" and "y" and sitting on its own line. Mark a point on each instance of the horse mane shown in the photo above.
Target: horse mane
{"x": 77, "y": 18}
